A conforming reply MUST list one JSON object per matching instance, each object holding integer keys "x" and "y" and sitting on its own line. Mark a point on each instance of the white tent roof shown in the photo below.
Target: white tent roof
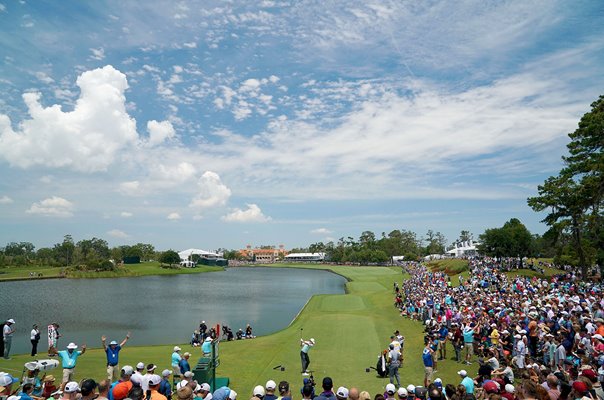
{"x": 189, "y": 252}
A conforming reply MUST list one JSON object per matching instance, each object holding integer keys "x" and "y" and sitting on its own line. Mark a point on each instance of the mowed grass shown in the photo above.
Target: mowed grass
{"x": 142, "y": 269}
{"x": 350, "y": 329}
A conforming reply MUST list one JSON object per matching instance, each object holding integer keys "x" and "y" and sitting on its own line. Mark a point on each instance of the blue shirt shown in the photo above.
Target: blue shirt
{"x": 175, "y": 359}
{"x": 68, "y": 360}
{"x": 427, "y": 357}
{"x": 112, "y": 355}
{"x": 221, "y": 393}
{"x": 24, "y": 396}
{"x": 468, "y": 336}
{"x": 184, "y": 366}
{"x": 206, "y": 347}
{"x": 469, "y": 384}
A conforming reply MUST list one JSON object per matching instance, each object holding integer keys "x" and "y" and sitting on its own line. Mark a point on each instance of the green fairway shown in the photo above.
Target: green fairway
{"x": 350, "y": 329}
{"x": 142, "y": 269}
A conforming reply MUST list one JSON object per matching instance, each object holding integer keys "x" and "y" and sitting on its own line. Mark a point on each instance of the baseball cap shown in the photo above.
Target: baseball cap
{"x": 411, "y": 389}
{"x": 208, "y": 339}
{"x": 342, "y": 392}
{"x": 186, "y": 354}
{"x": 72, "y": 387}
{"x": 402, "y": 392}
{"x": 88, "y": 386}
{"x": 136, "y": 379}
{"x": 390, "y": 388}
{"x": 14, "y": 398}
{"x": 188, "y": 374}
{"x": 140, "y": 365}
{"x": 283, "y": 387}
{"x": 232, "y": 394}
{"x": 510, "y": 388}
{"x": 7, "y": 379}
{"x": 166, "y": 372}
{"x": 438, "y": 382}
{"x": 127, "y": 370}
{"x": 312, "y": 340}
{"x": 197, "y": 389}
{"x": 151, "y": 367}
{"x": 580, "y": 387}
{"x": 463, "y": 372}
{"x": 12, "y": 321}
{"x": 490, "y": 387}
{"x": 112, "y": 343}
{"x": 259, "y": 391}
{"x": 176, "y": 348}
{"x": 270, "y": 385}
{"x": 154, "y": 380}
{"x": 421, "y": 392}
{"x": 590, "y": 373}
{"x": 327, "y": 383}
{"x": 205, "y": 387}
{"x": 72, "y": 346}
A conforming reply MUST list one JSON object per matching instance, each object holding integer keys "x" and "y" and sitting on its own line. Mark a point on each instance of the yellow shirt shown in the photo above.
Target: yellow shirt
{"x": 495, "y": 337}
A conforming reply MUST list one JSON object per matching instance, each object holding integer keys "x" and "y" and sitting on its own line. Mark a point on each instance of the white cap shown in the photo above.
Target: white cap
{"x": 206, "y": 387}
{"x": 188, "y": 374}
{"x": 463, "y": 372}
{"x": 342, "y": 392}
{"x": 140, "y": 365}
{"x": 128, "y": 370}
{"x": 197, "y": 388}
{"x": 176, "y": 348}
{"x": 312, "y": 340}
{"x": 232, "y": 395}
{"x": 12, "y": 321}
{"x": 390, "y": 388}
{"x": 182, "y": 384}
{"x": 72, "y": 387}
{"x": 510, "y": 388}
{"x": 270, "y": 385}
{"x": 402, "y": 392}
{"x": 14, "y": 398}
{"x": 136, "y": 379}
{"x": 166, "y": 372}
{"x": 72, "y": 346}
{"x": 208, "y": 339}
{"x": 259, "y": 391}
{"x": 186, "y": 354}
{"x": 411, "y": 389}
{"x": 154, "y": 380}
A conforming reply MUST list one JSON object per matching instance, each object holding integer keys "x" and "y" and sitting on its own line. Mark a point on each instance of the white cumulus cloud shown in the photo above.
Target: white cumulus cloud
{"x": 116, "y": 233}
{"x": 321, "y": 231}
{"x": 212, "y": 192}
{"x": 52, "y": 207}
{"x": 160, "y": 131}
{"x": 126, "y": 214}
{"x": 5, "y": 200}
{"x": 252, "y": 214}
{"x": 173, "y": 216}
{"x": 86, "y": 139}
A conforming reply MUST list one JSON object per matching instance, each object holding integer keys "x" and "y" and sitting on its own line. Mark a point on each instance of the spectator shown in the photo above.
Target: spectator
{"x": 327, "y": 393}
{"x": 7, "y": 334}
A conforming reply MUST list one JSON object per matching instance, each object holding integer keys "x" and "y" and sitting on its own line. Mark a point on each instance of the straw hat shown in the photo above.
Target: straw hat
{"x": 49, "y": 378}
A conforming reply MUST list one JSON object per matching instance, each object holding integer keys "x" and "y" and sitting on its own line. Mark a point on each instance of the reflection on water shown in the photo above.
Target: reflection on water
{"x": 160, "y": 309}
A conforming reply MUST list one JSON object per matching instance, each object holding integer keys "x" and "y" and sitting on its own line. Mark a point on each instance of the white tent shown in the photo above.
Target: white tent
{"x": 185, "y": 254}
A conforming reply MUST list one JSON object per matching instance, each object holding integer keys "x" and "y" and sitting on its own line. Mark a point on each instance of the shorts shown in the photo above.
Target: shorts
{"x": 469, "y": 348}
{"x": 67, "y": 375}
{"x": 428, "y": 371}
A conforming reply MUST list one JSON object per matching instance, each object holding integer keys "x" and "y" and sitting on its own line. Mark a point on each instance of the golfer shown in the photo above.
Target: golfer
{"x": 306, "y": 346}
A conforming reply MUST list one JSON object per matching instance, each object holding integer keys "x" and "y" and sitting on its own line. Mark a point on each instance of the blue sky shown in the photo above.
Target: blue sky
{"x": 225, "y": 123}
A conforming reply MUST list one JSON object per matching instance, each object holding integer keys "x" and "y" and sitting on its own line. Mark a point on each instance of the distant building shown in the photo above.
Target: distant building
{"x": 305, "y": 257}
{"x": 266, "y": 256}
{"x": 463, "y": 249}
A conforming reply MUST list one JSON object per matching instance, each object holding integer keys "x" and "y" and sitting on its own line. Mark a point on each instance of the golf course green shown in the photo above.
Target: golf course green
{"x": 350, "y": 331}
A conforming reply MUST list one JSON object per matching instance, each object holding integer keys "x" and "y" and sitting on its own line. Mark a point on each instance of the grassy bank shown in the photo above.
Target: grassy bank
{"x": 142, "y": 269}
{"x": 350, "y": 329}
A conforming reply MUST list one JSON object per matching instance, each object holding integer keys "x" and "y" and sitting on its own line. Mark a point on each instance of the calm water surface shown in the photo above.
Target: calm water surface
{"x": 160, "y": 309}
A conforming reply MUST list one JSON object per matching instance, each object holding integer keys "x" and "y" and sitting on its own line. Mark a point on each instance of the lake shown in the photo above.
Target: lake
{"x": 160, "y": 309}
